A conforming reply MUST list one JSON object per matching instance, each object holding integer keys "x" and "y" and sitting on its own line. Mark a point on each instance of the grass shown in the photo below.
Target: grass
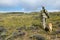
{"x": 11, "y": 21}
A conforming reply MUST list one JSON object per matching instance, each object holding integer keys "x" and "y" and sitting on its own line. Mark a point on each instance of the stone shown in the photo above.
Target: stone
{"x": 18, "y": 34}
{"x": 2, "y": 29}
{"x": 37, "y": 37}
{"x": 57, "y": 32}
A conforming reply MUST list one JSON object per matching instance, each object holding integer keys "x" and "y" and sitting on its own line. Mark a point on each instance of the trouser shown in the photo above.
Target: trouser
{"x": 44, "y": 23}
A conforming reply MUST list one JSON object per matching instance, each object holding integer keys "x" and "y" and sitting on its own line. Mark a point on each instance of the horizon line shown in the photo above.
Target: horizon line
{"x": 29, "y": 11}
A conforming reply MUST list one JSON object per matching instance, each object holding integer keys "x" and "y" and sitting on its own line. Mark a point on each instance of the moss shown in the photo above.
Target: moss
{"x": 13, "y": 21}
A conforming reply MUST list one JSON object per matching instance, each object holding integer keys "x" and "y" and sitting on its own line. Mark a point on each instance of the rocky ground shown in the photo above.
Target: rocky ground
{"x": 27, "y": 27}
{"x": 30, "y": 33}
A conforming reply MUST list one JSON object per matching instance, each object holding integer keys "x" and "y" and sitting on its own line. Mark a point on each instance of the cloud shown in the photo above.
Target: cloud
{"x": 8, "y": 2}
{"x": 32, "y": 5}
{"x": 53, "y": 10}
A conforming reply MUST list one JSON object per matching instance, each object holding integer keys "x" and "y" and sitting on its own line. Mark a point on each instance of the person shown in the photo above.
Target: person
{"x": 44, "y": 16}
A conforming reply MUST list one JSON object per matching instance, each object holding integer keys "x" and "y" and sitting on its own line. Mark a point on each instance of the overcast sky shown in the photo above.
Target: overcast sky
{"x": 28, "y": 5}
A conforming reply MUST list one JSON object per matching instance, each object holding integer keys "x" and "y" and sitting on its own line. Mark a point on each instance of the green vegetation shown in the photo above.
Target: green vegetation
{"x": 11, "y": 21}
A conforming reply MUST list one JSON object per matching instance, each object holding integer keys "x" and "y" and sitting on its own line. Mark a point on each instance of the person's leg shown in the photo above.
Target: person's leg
{"x": 44, "y": 23}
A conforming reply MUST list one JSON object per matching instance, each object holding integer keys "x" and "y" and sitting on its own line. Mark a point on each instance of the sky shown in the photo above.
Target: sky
{"x": 28, "y": 5}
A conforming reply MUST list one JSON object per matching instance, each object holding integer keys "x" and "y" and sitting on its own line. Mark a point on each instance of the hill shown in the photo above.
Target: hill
{"x": 29, "y": 24}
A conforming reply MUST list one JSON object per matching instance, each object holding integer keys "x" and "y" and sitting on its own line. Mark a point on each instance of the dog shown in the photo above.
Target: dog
{"x": 49, "y": 27}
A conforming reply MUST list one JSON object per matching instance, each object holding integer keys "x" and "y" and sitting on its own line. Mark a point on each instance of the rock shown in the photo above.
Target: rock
{"x": 33, "y": 28}
{"x": 22, "y": 28}
{"x": 57, "y": 32}
{"x": 18, "y": 34}
{"x": 21, "y": 34}
{"x": 1, "y": 38}
{"x": 10, "y": 38}
{"x": 3, "y": 32}
{"x": 2, "y": 29}
{"x": 38, "y": 37}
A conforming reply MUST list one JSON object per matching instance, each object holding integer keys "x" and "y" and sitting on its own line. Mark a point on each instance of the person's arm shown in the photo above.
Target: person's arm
{"x": 41, "y": 16}
{"x": 47, "y": 14}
